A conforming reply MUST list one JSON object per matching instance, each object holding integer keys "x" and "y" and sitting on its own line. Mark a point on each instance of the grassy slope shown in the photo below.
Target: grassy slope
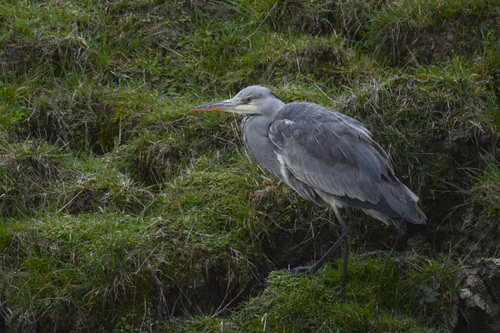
{"x": 121, "y": 210}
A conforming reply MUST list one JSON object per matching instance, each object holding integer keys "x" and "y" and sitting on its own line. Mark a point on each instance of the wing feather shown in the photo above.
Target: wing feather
{"x": 325, "y": 152}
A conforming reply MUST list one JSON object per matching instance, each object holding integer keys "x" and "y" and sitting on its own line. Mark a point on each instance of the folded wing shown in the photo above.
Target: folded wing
{"x": 336, "y": 161}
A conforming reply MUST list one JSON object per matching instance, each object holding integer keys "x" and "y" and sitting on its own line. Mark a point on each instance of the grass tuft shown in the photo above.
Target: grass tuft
{"x": 124, "y": 211}
{"x": 423, "y": 32}
{"x": 385, "y": 294}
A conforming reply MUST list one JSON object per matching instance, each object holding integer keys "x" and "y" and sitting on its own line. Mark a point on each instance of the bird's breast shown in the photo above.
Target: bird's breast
{"x": 255, "y": 134}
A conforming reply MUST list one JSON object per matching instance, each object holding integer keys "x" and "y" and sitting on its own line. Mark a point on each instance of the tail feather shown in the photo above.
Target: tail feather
{"x": 404, "y": 203}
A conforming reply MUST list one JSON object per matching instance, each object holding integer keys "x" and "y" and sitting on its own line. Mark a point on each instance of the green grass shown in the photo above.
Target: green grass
{"x": 122, "y": 210}
{"x": 384, "y": 294}
{"x": 422, "y": 31}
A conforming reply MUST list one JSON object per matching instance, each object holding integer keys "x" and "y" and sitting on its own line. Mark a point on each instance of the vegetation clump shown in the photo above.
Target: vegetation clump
{"x": 122, "y": 211}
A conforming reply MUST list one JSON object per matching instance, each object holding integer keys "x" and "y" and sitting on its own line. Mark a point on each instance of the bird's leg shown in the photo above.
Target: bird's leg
{"x": 344, "y": 237}
{"x": 314, "y": 268}
{"x": 345, "y": 258}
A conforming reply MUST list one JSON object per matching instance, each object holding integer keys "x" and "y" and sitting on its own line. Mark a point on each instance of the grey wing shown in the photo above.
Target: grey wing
{"x": 333, "y": 156}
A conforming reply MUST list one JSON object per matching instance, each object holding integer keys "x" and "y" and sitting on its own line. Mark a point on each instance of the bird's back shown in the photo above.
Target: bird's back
{"x": 331, "y": 159}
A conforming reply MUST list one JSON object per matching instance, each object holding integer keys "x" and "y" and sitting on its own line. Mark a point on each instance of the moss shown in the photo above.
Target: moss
{"x": 83, "y": 261}
{"x": 384, "y": 296}
{"x": 122, "y": 210}
{"x": 99, "y": 265}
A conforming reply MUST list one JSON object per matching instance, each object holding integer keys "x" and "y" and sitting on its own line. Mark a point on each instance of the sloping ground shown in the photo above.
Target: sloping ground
{"x": 123, "y": 211}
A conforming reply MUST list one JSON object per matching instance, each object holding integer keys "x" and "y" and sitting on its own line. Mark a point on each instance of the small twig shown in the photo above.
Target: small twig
{"x": 72, "y": 199}
{"x": 221, "y": 308}
{"x": 262, "y": 22}
{"x": 321, "y": 90}
{"x": 296, "y": 58}
{"x": 171, "y": 50}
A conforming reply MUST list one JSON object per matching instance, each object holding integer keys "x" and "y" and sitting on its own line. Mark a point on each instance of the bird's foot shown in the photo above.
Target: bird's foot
{"x": 301, "y": 270}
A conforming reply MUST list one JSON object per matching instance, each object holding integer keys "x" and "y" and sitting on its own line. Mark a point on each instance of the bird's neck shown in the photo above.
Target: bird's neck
{"x": 257, "y": 124}
{"x": 255, "y": 134}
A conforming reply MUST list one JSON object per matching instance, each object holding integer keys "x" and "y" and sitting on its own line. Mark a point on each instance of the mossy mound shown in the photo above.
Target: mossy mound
{"x": 124, "y": 211}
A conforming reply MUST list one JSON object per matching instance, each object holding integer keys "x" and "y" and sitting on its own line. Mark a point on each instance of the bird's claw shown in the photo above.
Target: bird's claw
{"x": 301, "y": 270}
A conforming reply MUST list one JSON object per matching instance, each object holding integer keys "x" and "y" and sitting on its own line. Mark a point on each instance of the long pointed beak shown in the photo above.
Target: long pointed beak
{"x": 227, "y": 105}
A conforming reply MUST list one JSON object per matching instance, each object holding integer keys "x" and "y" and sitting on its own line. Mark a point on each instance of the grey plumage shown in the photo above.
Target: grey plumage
{"x": 325, "y": 156}
{"x": 337, "y": 159}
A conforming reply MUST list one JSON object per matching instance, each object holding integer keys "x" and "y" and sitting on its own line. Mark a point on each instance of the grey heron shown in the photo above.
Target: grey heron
{"x": 326, "y": 157}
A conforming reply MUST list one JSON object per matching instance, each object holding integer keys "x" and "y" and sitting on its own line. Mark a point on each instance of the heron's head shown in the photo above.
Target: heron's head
{"x": 253, "y": 100}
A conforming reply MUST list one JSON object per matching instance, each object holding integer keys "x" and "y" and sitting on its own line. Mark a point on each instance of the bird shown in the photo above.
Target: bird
{"x": 327, "y": 157}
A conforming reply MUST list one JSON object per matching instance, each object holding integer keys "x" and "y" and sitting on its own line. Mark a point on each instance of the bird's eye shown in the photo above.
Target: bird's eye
{"x": 248, "y": 100}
